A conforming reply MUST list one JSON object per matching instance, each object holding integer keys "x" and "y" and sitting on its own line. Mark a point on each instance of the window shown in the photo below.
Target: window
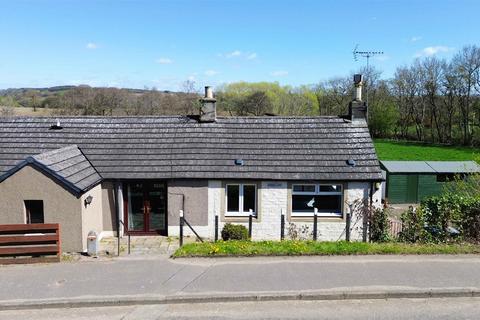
{"x": 448, "y": 177}
{"x": 326, "y": 198}
{"x": 241, "y": 198}
{"x": 34, "y": 211}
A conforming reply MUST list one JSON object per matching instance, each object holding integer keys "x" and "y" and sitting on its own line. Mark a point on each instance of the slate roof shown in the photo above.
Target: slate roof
{"x": 431, "y": 166}
{"x": 67, "y": 165}
{"x": 163, "y": 147}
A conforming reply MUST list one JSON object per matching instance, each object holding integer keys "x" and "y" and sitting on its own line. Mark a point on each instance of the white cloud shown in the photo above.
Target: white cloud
{"x": 91, "y": 46}
{"x": 211, "y": 73}
{"x": 431, "y": 51}
{"x": 237, "y": 54}
{"x": 415, "y": 39}
{"x": 279, "y": 73}
{"x": 164, "y": 61}
{"x": 233, "y": 54}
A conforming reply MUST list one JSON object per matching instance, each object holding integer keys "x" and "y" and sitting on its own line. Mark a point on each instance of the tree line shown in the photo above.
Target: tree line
{"x": 432, "y": 99}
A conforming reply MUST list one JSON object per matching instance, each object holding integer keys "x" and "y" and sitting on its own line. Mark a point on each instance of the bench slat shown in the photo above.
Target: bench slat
{"x": 19, "y": 240}
{"x": 29, "y": 260}
{"x": 48, "y": 249}
{"x": 29, "y": 228}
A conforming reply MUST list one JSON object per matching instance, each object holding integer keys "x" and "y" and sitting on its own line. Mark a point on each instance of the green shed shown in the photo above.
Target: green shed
{"x": 412, "y": 181}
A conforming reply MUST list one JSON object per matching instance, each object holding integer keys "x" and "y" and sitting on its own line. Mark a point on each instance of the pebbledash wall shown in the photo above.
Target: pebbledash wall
{"x": 274, "y": 197}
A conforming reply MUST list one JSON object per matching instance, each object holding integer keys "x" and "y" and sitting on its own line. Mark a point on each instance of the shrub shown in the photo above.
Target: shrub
{"x": 413, "y": 225}
{"x": 441, "y": 213}
{"x": 470, "y": 223}
{"x": 442, "y": 219}
{"x": 379, "y": 226}
{"x": 234, "y": 232}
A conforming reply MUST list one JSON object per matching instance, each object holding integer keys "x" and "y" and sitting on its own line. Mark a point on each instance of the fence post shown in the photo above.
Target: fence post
{"x": 181, "y": 228}
{"x": 216, "y": 227}
{"x": 282, "y": 225}
{"x": 347, "y": 226}
{"x": 129, "y": 243}
{"x": 315, "y": 213}
{"x": 250, "y": 218}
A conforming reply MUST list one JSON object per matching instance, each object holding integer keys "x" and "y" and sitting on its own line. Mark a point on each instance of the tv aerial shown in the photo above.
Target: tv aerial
{"x": 365, "y": 54}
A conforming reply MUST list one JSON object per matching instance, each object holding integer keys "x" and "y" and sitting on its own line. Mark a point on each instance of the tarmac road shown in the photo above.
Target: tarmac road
{"x": 398, "y": 309}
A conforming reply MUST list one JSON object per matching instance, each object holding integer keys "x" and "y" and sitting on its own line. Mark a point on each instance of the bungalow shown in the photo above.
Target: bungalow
{"x": 133, "y": 175}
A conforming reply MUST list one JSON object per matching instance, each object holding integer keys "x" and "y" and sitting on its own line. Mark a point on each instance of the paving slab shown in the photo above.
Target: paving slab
{"x": 140, "y": 276}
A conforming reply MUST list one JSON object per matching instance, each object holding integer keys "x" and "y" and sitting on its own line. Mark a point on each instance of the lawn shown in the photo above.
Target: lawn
{"x": 296, "y": 248}
{"x": 401, "y": 150}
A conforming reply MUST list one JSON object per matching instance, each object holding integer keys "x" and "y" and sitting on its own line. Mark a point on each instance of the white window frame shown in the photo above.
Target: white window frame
{"x": 240, "y": 200}
{"x": 318, "y": 193}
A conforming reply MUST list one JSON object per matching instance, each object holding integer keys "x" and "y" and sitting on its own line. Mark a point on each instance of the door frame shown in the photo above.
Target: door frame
{"x": 125, "y": 209}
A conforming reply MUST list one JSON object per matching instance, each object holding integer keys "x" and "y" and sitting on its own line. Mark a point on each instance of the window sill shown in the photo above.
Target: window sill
{"x": 299, "y": 218}
{"x": 239, "y": 217}
{"x": 231, "y": 214}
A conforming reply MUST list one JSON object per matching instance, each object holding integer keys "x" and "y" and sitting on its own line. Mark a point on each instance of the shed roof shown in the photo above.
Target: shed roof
{"x": 164, "y": 147}
{"x": 454, "y": 166}
{"x": 430, "y": 166}
{"x": 407, "y": 167}
{"x": 67, "y": 165}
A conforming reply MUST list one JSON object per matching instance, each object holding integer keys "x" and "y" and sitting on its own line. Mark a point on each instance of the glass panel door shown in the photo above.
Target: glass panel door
{"x": 146, "y": 208}
{"x": 136, "y": 210}
{"x": 157, "y": 208}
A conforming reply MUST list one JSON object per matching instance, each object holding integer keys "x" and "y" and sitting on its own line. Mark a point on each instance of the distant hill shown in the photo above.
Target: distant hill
{"x": 49, "y": 90}
{"x": 86, "y": 100}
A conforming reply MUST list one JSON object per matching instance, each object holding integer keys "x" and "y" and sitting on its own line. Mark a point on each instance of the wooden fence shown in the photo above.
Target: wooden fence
{"x": 29, "y": 243}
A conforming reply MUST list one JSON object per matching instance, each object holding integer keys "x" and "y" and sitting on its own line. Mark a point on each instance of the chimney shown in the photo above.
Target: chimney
{"x": 357, "y": 109}
{"x": 208, "y": 110}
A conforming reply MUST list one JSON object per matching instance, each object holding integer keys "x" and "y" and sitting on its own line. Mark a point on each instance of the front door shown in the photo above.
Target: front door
{"x": 145, "y": 207}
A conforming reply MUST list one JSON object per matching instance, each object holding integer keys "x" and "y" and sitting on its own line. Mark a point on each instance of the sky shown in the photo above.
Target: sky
{"x": 162, "y": 44}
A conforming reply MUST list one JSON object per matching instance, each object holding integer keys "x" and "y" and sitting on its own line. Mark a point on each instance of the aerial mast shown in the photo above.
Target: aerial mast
{"x": 365, "y": 54}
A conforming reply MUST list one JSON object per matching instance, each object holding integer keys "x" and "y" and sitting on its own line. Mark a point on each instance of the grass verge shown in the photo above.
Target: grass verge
{"x": 296, "y": 248}
{"x": 403, "y": 150}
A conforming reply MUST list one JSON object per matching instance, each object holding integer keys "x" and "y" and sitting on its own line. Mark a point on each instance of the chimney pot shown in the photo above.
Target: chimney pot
{"x": 357, "y": 109}
{"x": 208, "y": 110}
{"x": 208, "y": 92}
{"x": 358, "y": 82}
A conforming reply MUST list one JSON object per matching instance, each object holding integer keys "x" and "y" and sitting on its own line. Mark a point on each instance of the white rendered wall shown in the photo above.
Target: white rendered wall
{"x": 273, "y": 200}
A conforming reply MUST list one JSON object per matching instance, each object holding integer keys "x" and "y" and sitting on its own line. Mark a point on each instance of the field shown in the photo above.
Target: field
{"x": 401, "y": 150}
{"x": 28, "y": 112}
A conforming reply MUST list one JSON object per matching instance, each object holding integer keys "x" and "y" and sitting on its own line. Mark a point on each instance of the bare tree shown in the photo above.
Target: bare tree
{"x": 334, "y": 95}
{"x": 7, "y": 111}
{"x": 467, "y": 66}
{"x": 431, "y": 79}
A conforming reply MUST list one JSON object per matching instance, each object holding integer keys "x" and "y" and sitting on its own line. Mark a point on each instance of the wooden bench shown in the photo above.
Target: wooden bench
{"x": 29, "y": 243}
